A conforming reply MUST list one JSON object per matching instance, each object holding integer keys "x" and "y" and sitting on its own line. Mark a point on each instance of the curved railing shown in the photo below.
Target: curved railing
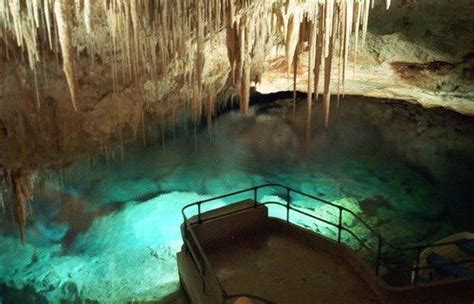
{"x": 202, "y": 263}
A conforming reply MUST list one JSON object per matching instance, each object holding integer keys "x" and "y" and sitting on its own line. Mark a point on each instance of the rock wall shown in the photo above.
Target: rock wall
{"x": 418, "y": 51}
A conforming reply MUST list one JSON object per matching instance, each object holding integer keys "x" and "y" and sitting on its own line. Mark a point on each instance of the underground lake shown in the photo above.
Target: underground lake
{"x": 103, "y": 224}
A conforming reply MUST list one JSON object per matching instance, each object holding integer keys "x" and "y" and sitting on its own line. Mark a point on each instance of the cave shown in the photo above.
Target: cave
{"x": 128, "y": 127}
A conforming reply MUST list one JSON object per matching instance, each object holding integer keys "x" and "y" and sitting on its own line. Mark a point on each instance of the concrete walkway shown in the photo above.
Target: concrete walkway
{"x": 282, "y": 268}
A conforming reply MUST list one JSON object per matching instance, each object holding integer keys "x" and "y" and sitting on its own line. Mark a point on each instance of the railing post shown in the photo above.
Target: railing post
{"x": 288, "y": 198}
{"x": 379, "y": 253}
{"x": 339, "y": 227}
{"x": 199, "y": 213}
{"x": 255, "y": 196}
{"x": 202, "y": 275}
{"x": 224, "y": 296}
{"x": 417, "y": 265}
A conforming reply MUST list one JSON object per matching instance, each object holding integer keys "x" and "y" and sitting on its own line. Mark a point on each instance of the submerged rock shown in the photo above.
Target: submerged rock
{"x": 108, "y": 262}
{"x": 52, "y": 231}
{"x": 122, "y": 190}
{"x": 232, "y": 181}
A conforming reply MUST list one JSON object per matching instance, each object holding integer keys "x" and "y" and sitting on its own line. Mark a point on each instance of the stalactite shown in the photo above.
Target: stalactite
{"x": 245, "y": 88}
{"x": 163, "y": 140}
{"x": 87, "y": 16}
{"x": 4, "y": 189}
{"x": 241, "y": 57}
{"x": 327, "y": 70}
{"x": 173, "y": 125}
{"x": 37, "y": 96}
{"x": 357, "y": 13}
{"x": 143, "y": 127}
{"x": 122, "y": 148}
{"x": 210, "y": 109}
{"x": 47, "y": 17}
{"x": 134, "y": 50}
{"x": 340, "y": 49}
{"x": 365, "y": 21}
{"x": 292, "y": 39}
{"x": 60, "y": 7}
{"x": 16, "y": 17}
{"x": 319, "y": 50}
{"x": 349, "y": 16}
{"x": 199, "y": 63}
{"x": 2, "y": 202}
{"x": 311, "y": 63}
{"x": 22, "y": 189}
{"x": 295, "y": 75}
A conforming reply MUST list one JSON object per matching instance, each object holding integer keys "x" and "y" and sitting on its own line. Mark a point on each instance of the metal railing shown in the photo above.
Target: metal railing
{"x": 202, "y": 262}
{"x": 419, "y": 249}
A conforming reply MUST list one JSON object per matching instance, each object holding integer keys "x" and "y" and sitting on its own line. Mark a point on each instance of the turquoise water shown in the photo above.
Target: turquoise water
{"x": 107, "y": 229}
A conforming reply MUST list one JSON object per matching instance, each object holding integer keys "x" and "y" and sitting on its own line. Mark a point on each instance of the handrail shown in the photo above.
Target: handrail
{"x": 201, "y": 269}
{"x": 376, "y": 252}
{"x": 425, "y": 246}
{"x": 204, "y": 258}
{"x": 284, "y": 187}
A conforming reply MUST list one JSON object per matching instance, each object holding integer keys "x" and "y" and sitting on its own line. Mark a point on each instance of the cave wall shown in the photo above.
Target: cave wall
{"x": 417, "y": 51}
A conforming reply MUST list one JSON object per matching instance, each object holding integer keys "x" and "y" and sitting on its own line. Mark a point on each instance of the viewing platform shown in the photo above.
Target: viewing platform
{"x": 239, "y": 254}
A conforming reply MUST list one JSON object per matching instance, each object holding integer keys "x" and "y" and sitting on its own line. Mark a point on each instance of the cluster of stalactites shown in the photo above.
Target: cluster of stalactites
{"x": 324, "y": 28}
{"x": 155, "y": 38}
{"x": 248, "y": 29}
{"x": 143, "y": 39}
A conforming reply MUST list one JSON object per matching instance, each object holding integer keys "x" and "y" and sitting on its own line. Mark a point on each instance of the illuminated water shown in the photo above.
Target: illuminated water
{"x": 107, "y": 230}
